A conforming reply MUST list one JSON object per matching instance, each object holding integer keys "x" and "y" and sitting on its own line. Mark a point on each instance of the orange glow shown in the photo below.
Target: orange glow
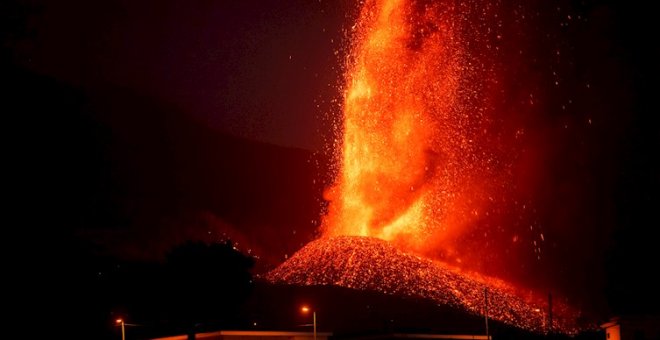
{"x": 432, "y": 167}
{"x": 118, "y": 321}
{"x": 305, "y": 309}
{"x": 365, "y": 263}
{"x": 409, "y": 168}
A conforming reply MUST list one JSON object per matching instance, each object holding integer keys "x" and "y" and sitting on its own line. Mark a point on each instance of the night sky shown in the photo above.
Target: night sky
{"x": 133, "y": 126}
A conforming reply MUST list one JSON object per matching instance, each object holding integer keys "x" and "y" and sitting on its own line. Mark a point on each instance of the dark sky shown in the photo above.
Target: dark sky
{"x": 148, "y": 112}
{"x": 257, "y": 69}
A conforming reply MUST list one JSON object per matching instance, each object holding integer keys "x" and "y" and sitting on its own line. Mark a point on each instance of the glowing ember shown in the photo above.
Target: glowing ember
{"x": 423, "y": 163}
{"x": 372, "y": 264}
{"x": 414, "y": 159}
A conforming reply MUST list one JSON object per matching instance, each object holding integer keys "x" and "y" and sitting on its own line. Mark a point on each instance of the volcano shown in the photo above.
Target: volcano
{"x": 365, "y": 263}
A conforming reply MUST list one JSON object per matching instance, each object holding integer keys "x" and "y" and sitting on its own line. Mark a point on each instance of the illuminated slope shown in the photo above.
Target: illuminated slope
{"x": 372, "y": 264}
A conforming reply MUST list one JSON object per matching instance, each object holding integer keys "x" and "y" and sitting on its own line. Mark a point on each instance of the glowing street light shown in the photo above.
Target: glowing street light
{"x": 306, "y": 310}
{"x": 123, "y": 332}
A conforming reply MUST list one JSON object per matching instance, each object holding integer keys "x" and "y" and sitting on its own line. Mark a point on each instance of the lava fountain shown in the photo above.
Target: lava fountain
{"x": 416, "y": 165}
{"x": 422, "y": 161}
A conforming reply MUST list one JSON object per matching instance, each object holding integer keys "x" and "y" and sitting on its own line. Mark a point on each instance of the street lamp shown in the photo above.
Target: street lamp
{"x": 306, "y": 310}
{"x": 123, "y": 332}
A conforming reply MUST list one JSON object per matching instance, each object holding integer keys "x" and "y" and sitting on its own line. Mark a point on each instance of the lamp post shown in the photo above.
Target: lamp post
{"x": 305, "y": 310}
{"x": 123, "y": 332}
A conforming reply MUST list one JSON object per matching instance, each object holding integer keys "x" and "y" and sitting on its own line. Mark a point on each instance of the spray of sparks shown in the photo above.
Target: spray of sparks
{"x": 414, "y": 160}
{"x": 366, "y": 263}
{"x": 422, "y": 160}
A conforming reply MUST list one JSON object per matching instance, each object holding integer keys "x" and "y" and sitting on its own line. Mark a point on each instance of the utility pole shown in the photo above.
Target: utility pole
{"x": 486, "y": 310}
{"x": 549, "y": 312}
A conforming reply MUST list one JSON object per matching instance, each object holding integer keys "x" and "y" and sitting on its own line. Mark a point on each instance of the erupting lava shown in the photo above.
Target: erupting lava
{"x": 424, "y": 162}
{"x": 415, "y": 158}
{"x": 371, "y": 264}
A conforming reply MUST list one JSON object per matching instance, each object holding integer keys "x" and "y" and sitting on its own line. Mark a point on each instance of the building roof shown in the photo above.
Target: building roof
{"x": 246, "y": 333}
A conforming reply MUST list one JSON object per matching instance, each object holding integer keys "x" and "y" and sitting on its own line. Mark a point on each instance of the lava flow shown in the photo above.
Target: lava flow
{"x": 367, "y": 263}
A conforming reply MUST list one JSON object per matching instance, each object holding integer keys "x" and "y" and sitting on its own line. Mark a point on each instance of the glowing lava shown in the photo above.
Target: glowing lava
{"x": 425, "y": 162}
{"x": 371, "y": 264}
{"x": 413, "y": 159}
